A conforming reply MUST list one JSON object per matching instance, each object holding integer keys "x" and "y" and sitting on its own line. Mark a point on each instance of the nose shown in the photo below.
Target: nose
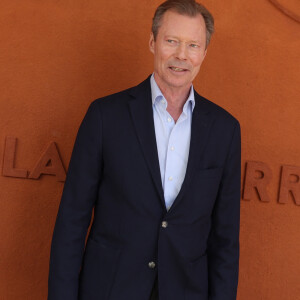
{"x": 181, "y": 52}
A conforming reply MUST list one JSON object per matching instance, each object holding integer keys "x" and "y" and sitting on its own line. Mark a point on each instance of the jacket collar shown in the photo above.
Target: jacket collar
{"x": 140, "y": 107}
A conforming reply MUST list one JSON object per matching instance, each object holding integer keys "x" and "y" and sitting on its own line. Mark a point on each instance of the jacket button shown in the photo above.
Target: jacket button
{"x": 164, "y": 224}
{"x": 151, "y": 264}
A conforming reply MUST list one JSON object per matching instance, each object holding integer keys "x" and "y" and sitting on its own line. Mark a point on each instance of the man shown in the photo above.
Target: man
{"x": 160, "y": 166}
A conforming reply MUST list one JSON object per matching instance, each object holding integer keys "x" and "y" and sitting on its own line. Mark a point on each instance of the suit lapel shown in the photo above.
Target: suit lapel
{"x": 142, "y": 115}
{"x": 201, "y": 122}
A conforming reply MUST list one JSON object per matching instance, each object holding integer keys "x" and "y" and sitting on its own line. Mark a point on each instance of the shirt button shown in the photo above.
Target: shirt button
{"x": 170, "y": 178}
{"x": 172, "y": 148}
{"x": 151, "y": 264}
{"x": 164, "y": 224}
{"x": 163, "y": 101}
{"x": 169, "y": 119}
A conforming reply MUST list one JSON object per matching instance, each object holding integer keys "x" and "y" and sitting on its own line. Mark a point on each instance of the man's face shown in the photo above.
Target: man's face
{"x": 179, "y": 49}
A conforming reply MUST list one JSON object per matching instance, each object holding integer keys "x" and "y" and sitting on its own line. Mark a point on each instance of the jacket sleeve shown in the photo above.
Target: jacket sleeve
{"x": 223, "y": 241}
{"x": 75, "y": 210}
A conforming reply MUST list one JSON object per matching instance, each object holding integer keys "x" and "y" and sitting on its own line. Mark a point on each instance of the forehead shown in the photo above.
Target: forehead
{"x": 182, "y": 26}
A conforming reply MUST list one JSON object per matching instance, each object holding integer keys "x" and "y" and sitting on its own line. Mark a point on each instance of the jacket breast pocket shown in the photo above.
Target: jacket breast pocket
{"x": 209, "y": 173}
{"x": 98, "y": 270}
{"x": 204, "y": 190}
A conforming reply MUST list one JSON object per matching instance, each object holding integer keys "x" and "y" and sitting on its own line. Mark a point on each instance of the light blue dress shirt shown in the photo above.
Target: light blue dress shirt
{"x": 173, "y": 141}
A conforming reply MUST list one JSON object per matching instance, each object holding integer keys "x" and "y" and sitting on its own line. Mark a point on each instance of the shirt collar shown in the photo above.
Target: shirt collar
{"x": 158, "y": 95}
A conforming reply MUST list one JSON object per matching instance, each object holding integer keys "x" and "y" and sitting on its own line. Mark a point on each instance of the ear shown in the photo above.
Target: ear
{"x": 151, "y": 42}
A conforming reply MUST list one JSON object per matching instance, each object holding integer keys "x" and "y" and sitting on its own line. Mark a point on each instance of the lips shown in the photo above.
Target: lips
{"x": 176, "y": 69}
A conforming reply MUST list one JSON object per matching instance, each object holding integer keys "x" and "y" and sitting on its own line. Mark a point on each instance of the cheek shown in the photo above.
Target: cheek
{"x": 197, "y": 61}
{"x": 164, "y": 54}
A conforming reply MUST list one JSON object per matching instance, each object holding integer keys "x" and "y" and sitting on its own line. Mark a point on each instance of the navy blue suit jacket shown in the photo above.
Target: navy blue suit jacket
{"x": 114, "y": 169}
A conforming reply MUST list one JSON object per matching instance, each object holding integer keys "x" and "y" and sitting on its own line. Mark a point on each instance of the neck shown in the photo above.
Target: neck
{"x": 176, "y": 96}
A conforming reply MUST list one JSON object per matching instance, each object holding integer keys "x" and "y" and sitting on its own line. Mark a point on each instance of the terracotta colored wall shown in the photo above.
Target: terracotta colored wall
{"x": 58, "y": 56}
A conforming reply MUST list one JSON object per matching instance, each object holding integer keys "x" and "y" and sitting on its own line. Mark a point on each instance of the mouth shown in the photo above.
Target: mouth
{"x": 176, "y": 69}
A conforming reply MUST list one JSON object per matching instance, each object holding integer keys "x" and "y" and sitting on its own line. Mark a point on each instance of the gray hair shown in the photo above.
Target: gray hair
{"x": 184, "y": 7}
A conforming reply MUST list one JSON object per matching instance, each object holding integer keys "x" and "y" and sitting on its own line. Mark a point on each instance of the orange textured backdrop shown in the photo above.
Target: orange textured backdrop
{"x": 58, "y": 56}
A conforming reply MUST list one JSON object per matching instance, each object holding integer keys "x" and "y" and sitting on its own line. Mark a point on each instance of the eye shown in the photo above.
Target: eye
{"x": 194, "y": 45}
{"x": 170, "y": 41}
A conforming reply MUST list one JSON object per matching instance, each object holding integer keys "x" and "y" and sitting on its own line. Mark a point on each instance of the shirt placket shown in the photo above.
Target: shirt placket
{"x": 171, "y": 171}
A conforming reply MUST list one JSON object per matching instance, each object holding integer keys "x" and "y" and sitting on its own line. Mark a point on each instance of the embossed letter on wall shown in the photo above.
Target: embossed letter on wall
{"x": 258, "y": 176}
{"x": 49, "y": 163}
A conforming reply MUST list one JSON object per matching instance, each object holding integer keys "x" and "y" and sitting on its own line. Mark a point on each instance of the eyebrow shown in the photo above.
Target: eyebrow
{"x": 177, "y": 38}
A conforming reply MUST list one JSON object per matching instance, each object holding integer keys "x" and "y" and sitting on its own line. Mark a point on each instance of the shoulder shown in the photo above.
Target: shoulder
{"x": 220, "y": 114}
{"x": 120, "y": 99}
{"x": 112, "y": 100}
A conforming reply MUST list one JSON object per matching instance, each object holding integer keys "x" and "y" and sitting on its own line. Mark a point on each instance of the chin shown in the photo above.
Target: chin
{"x": 178, "y": 82}
{"x": 173, "y": 81}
